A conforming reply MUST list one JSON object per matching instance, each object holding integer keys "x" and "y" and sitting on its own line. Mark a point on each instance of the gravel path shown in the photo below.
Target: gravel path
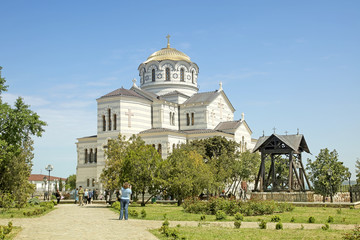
{"x": 95, "y": 221}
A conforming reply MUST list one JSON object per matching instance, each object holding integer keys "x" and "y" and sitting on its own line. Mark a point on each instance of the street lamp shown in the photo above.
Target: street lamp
{"x": 329, "y": 172}
{"x": 45, "y": 181}
{"x": 350, "y": 187}
{"x": 49, "y": 168}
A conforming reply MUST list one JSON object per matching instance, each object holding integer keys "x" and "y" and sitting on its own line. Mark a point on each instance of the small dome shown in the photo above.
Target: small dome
{"x": 168, "y": 54}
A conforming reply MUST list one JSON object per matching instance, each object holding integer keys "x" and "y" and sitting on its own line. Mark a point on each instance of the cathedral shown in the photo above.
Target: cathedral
{"x": 165, "y": 109}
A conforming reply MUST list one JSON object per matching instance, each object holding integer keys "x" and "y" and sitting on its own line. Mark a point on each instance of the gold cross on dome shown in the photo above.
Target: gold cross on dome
{"x": 168, "y": 39}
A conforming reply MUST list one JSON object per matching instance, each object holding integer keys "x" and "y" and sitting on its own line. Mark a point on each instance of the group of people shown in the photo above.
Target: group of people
{"x": 84, "y": 196}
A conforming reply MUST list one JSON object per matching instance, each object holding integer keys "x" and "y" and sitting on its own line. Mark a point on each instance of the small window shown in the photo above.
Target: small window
{"x": 91, "y": 156}
{"x": 192, "y": 76}
{"x": 104, "y": 123}
{"x": 159, "y": 149}
{"x": 86, "y": 155}
{"x": 114, "y": 121}
{"x": 109, "y": 117}
{"x": 143, "y": 78}
{"x": 182, "y": 78}
{"x": 192, "y": 118}
{"x": 187, "y": 119}
{"x": 95, "y": 156}
{"x": 93, "y": 182}
{"x": 170, "y": 118}
{"x": 153, "y": 75}
{"x": 173, "y": 119}
{"x": 88, "y": 182}
{"x": 167, "y": 74}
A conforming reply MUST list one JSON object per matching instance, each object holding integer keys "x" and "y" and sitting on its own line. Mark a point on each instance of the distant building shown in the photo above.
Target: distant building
{"x": 41, "y": 182}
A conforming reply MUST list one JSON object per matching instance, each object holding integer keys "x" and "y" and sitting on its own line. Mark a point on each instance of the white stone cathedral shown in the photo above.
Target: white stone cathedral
{"x": 166, "y": 110}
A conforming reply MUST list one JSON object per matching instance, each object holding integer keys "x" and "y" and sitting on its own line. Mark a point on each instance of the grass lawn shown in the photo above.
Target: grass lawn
{"x": 18, "y": 213}
{"x": 301, "y": 214}
{"x": 206, "y": 233}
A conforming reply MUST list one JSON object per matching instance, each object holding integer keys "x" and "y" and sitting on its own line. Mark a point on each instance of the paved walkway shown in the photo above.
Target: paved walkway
{"x": 95, "y": 221}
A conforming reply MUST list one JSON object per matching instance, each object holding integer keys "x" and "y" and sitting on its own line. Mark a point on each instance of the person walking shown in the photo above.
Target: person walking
{"x": 125, "y": 200}
{"x": 81, "y": 196}
{"x": 58, "y": 196}
{"x": 90, "y": 196}
{"x": 86, "y": 196}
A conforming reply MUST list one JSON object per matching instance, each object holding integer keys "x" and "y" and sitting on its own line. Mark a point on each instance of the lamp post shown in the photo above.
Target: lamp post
{"x": 329, "y": 172}
{"x": 49, "y": 168}
{"x": 45, "y": 181}
{"x": 350, "y": 187}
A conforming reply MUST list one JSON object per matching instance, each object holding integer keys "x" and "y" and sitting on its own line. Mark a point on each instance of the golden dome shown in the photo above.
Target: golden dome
{"x": 168, "y": 54}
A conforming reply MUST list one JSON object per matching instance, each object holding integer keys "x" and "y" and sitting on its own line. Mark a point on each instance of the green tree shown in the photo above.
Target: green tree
{"x": 327, "y": 173}
{"x": 135, "y": 162}
{"x": 222, "y": 156}
{"x": 17, "y": 125}
{"x": 186, "y": 173}
{"x": 70, "y": 182}
{"x": 357, "y": 171}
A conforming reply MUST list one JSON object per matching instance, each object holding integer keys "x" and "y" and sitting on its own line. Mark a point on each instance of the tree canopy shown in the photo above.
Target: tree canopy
{"x": 327, "y": 173}
{"x": 70, "y": 182}
{"x": 357, "y": 171}
{"x": 17, "y": 125}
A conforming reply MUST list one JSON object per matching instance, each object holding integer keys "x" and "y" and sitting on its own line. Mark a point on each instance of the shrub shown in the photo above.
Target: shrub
{"x": 143, "y": 213}
{"x": 276, "y": 218}
{"x": 330, "y": 219}
{"x": 237, "y": 224}
{"x": 338, "y": 211}
{"x": 325, "y": 227}
{"x": 133, "y": 213}
{"x": 311, "y": 219}
{"x": 116, "y": 205}
{"x": 262, "y": 224}
{"x": 220, "y": 215}
{"x": 354, "y": 235}
{"x": 5, "y": 230}
{"x": 239, "y": 216}
{"x": 33, "y": 201}
{"x": 292, "y": 219}
{"x": 352, "y": 207}
{"x": 279, "y": 226}
{"x": 202, "y": 217}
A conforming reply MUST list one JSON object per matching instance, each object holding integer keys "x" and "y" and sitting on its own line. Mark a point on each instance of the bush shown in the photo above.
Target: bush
{"x": 33, "y": 201}
{"x": 133, "y": 213}
{"x": 292, "y": 219}
{"x": 311, "y": 219}
{"x": 276, "y": 218}
{"x": 202, "y": 217}
{"x": 239, "y": 216}
{"x": 143, "y": 213}
{"x": 5, "y": 230}
{"x": 237, "y": 224}
{"x": 220, "y": 215}
{"x": 325, "y": 227}
{"x": 279, "y": 226}
{"x": 116, "y": 205}
{"x": 330, "y": 219}
{"x": 352, "y": 207}
{"x": 262, "y": 224}
{"x": 338, "y": 211}
{"x": 354, "y": 235}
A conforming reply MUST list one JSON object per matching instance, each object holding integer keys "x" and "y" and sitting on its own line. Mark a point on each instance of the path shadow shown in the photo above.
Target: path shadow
{"x": 95, "y": 206}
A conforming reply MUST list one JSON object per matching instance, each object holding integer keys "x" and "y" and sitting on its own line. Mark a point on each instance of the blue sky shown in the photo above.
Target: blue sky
{"x": 285, "y": 64}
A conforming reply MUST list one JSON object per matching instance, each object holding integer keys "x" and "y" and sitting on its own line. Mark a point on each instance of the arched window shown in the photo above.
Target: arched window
{"x": 243, "y": 143}
{"x": 104, "y": 123}
{"x": 95, "y": 158}
{"x": 167, "y": 74}
{"x": 91, "y": 156}
{"x": 143, "y": 78}
{"x": 93, "y": 182}
{"x": 159, "y": 149}
{"x": 170, "y": 119}
{"x": 173, "y": 119}
{"x": 153, "y": 75}
{"x": 109, "y": 117}
{"x": 86, "y": 155}
{"x": 192, "y": 76}
{"x": 88, "y": 182}
{"x": 192, "y": 118}
{"x": 182, "y": 78}
{"x": 188, "y": 119}
{"x": 114, "y": 121}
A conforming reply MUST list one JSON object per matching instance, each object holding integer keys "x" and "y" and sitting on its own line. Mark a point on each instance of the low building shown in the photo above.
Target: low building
{"x": 43, "y": 184}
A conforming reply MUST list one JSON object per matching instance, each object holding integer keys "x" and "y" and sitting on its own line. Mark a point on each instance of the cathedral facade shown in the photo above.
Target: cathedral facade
{"x": 166, "y": 110}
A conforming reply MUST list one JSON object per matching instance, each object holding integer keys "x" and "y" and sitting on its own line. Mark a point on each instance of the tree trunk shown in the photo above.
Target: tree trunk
{"x": 331, "y": 198}
{"x": 143, "y": 198}
{"x": 179, "y": 202}
{"x": 323, "y": 198}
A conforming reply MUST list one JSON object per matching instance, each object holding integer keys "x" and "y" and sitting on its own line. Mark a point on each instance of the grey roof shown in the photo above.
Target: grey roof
{"x": 174, "y": 93}
{"x": 144, "y": 93}
{"x": 202, "y": 97}
{"x": 228, "y": 125}
{"x": 295, "y": 142}
{"x": 123, "y": 92}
